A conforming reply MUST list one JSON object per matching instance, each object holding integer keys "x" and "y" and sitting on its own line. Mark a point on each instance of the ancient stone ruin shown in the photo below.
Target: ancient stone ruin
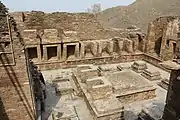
{"x": 91, "y": 72}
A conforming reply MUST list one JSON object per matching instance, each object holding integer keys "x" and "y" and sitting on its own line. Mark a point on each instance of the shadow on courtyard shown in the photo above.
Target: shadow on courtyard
{"x": 156, "y": 110}
{"x": 51, "y": 101}
{"x": 3, "y": 114}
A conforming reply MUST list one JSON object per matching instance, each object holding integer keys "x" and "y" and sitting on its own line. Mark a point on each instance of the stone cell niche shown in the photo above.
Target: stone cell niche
{"x": 139, "y": 66}
{"x": 128, "y": 46}
{"x": 32, "y": 53}
{"x": 174, "y": 48}
{"x": 157, "y": 47}
{"x": 88, "y": 50}
{"x": 52, "y": 53}
{"x": 141, "y": 42}
{"x": 118, "y": 45}
{"x": 71, "y": 51}
{"x": 105, "y": 48}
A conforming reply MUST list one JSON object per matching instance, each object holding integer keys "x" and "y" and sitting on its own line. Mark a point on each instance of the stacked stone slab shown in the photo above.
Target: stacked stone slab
{"x": 151, "y": 112}
{"x": 64, "y": 87}
{"x": 164, "y": 83}
{"x": 123, "y": 67}
{"x": 139, "y": 66}
{"x": 172, "y": 109}
{"x": 99, "y": 87}
{"x": 64, "y": 113}
{"x": 151, "y": 75}
{"x": 98, "y": 94}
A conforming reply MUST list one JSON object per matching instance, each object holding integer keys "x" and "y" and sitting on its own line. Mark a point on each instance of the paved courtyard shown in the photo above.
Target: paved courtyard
{"x": 78, "y": 107}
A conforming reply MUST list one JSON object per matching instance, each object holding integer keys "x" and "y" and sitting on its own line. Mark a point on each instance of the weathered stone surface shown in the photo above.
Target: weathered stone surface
{"x": 68, "y": 39}
{"x": 64, "y": 87}
{"x": 128, "y": 46}
{"x": 105, "y": 48}
{"x": 139, "y": 66}
{"x": 172, "y": 110}
{"x": 127, "y": 83}
{"x": 152, "y": 75}
{"x": 89, "y": 73}
{"x": 162, "y": 37}
{"x": 89, "y": 49}
{"x": 16, "y": 95}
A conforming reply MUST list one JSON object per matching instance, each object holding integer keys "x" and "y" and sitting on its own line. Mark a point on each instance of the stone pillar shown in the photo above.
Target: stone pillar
{"x": 163, "y": 42}
{"x": 100, "y": 49}
{"x": 177, "y": 51}
{"x": 39, "y": 53}
{"x": 94, "y": 48}
{"x": 143, "y": 45}
{"x": 82, "y": 52}
{"x": 64, "y": 52}
{"x": 135, "y": 44}
{"x": 45, "y": 56}
{"x": 129, "y": 46}
{"x": 59, "y": 51}
{"x": 77, "y": 51}
{"x": 172, "y": 109}
{"x": 110, "y": 47}
{"x": 120, "y": 43}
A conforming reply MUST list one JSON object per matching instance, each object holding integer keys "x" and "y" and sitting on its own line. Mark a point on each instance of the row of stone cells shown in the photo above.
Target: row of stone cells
{"x": 170, "y": 45}
{"x": 86, "y": 49}
{"x": 51, "y": 53}
{"x": 108, "y": 48}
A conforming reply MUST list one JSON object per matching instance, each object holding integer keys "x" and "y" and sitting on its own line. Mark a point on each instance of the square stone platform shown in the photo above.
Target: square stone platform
{"x": 152, "y": 75}
{"x": 130, "y": 86}
{"x": 103, "y": 106}
{"x": 64, "y": 113}
{"x": 107, "y": 109}
{"x": 139, "y": 66}
{"x": 64, "y": 88}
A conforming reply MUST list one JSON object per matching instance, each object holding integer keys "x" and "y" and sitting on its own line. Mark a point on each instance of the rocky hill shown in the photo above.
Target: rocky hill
{"x": 140, "y": 13}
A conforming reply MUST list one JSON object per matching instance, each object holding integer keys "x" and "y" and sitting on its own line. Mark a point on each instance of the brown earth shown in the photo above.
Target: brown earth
{"x": 140, "y": 13}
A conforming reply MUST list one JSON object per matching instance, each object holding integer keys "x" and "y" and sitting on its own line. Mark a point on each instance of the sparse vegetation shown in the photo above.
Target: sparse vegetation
{"x": 140, "y": 13}
{"x": 3, "y": 19}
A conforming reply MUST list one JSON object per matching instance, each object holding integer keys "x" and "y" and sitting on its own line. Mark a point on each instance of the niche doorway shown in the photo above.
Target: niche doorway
{"x": 32, "y": 53}
{"x": 71, "y": 51}
{"x": 52, "y": 53}
{"x": 157, "y": 47}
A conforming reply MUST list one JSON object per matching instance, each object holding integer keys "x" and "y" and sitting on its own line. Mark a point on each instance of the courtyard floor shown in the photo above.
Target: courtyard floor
{"x": 75, "y": 106}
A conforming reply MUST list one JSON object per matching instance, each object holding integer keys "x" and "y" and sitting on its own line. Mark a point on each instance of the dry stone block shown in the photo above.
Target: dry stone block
{"x": 87, "y": 74}
{"x": 139, "y": 66}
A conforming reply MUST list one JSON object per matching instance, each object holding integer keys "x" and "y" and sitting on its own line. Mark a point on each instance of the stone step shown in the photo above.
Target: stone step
{"x": 164, "y": 84}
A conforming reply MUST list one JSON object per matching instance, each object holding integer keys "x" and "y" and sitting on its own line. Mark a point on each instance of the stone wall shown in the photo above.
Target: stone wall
{"x": 15, "y": 90}
{"x": 85, "y": 24}
{"x": 162, "y": 37}
{"x": 145, "y": 95}
{"x": 172, "y": 110}
{"x": 46, "y": 46}
{"x": 97, "y": 61}
{"x": 154, "y": 61}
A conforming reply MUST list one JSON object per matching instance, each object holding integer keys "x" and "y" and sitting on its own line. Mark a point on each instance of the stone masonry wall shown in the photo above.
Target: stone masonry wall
{"x": 15, "y": 93}
{"x": 85, "y": 24}
{"x": 162, "y": 33}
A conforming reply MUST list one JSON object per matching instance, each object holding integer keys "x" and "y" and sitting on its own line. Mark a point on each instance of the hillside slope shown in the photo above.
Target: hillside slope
{"x": 140, "y": 13}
